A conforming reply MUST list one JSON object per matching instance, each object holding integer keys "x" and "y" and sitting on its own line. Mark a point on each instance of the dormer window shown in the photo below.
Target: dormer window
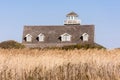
{"x": 28, "y": 38}
{"x": 65, "y": 37}
{"x": 41, "y": 37}
{"x": 85, "y": 37}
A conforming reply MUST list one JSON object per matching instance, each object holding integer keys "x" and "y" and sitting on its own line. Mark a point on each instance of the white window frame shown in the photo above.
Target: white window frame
{"x": 28, "y": 38}
{"x": 66, "y": 37}
{"x": 85, "y": 37}
{"x": 41, "y": 37}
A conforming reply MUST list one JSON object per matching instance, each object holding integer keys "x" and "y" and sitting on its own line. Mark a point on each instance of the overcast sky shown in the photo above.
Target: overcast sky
{"x": 104, "y": 14}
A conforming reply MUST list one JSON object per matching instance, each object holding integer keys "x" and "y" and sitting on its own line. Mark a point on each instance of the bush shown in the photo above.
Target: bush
{"x": 83, "y": 46}
{"x": 72, "y": 47}
{"x": 77, "y": 46}
{"x": 11, "y": 45}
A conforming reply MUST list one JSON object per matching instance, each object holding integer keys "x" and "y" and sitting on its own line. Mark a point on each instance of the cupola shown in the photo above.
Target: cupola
{"x": 72, "y": 19}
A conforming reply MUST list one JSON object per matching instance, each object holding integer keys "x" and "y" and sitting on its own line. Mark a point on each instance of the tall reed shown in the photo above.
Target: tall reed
{"x": 26, "y": 64}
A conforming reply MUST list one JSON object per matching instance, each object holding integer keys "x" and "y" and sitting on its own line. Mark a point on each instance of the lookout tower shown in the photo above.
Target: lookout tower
{"x": 72, "y": 19}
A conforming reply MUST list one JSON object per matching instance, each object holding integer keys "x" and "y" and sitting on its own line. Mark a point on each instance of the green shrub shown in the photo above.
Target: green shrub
{"x": 11, "y": 45}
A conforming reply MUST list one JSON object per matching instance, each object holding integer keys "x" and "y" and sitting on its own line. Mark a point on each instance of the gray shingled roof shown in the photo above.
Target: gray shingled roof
{"x": 52, "y": 33}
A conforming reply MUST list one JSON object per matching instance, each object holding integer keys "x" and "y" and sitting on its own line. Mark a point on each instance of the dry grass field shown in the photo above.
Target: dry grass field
{"x": 26, "y": 64}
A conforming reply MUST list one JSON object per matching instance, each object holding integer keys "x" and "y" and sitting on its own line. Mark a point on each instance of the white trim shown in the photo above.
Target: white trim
{"x": 28, "y": 35}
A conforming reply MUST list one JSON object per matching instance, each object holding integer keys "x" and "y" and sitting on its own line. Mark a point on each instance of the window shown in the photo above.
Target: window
{"x": 41, "y": 37}
{"x": 71, "y": 17}
{"x": 28, "y": 38}
{"x": 65, "y": 37}
{"x": 85, "y": 37}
